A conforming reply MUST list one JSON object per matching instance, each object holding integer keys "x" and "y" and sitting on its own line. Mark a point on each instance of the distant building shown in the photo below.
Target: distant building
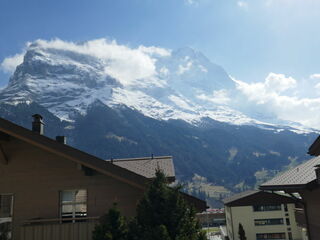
{"x": 263, "y": 215}
{"x": 212, "y": 218}
{"x": 51, "y": 191}
{"x": 303, "y": 180}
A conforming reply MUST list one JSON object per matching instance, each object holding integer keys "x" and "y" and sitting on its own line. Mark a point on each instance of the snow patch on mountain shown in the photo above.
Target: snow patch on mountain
{"x": 67, "y": 78}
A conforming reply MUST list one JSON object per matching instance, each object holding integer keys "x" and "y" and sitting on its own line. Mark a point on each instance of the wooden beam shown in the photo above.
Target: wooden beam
{"x": 3, "y": 156}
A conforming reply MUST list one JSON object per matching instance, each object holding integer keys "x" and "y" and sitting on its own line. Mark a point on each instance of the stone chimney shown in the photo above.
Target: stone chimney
{"x": 317, "y": 170}
{"x": 61, "y": 139}
{"x": 37, "y": 124}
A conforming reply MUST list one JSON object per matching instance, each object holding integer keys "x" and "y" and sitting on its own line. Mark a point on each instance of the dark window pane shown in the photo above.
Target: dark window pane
{"x": 271, "y": 221}
{"x": 6, "y": 206}
{"x": 260, "y": 208}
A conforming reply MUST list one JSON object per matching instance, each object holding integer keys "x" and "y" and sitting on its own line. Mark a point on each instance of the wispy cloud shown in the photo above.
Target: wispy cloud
{"x": 243, "y": 4}
{"x": 273, "y": 95}
{"x": 191, "y": 2}
{"x": 315, "y": 76}
{"x": 9, "y": 64}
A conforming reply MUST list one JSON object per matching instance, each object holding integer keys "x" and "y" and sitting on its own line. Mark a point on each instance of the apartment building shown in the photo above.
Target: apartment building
{"x": 263, "y": 215}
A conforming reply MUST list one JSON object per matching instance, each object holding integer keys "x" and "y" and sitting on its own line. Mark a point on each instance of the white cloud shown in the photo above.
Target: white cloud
{"x": 124, "y": 63}
{"x": 191, "y": 2}
{"x": 279, "y": 82}
{"x": 162, "y": 52}
{"x": 315, "y": 76}
{"x": 164, "y": 71}
{"x": 9, "y": 64}
{"x": 243, "y": 4}
{"x": 272, "y": 95}
{"x": 217, "y": 97}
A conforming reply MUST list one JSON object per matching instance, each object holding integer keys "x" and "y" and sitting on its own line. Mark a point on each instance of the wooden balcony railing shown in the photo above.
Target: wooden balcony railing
{"x": 58, "y": 229}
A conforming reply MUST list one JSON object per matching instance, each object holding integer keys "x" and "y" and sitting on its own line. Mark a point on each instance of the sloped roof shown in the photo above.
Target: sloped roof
{"x": 314, "y": 149}
{"x": 135, "y": 171}
{"x": 129, "y": 173}
{"x": 295, "y": 178}
{"x": 254, "y": 197}
{"x": 147, "y": 166}
{"x": 239, "y": 196}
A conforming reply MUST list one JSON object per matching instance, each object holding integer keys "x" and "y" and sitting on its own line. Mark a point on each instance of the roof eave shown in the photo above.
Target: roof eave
{"x": 283, "y": 187}
{"x": 73, "y": 154}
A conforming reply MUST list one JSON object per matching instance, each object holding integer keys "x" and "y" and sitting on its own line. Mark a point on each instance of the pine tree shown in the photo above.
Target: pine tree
{"x": 112, "y": 226}
{"x": 241, "y": 232}
{"x": 163, "y": 214}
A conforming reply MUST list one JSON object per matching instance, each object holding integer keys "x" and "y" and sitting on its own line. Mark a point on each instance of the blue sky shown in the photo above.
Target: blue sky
{"x": 249, "y": 38}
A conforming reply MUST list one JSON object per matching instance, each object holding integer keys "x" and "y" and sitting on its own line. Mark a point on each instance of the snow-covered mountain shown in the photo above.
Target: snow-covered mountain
{"x": 184, "y": 84}
{"x": 113, "y": 98}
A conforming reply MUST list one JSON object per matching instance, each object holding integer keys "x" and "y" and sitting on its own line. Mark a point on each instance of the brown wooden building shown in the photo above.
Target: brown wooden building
{"x": 49, "y": 190}
{"x": 303, "y": 183}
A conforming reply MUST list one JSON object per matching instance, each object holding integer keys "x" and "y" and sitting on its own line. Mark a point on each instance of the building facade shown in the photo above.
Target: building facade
{"x": 212, "y": 218}
{"x": 263, "y": 215}
{"x": 49, "y": 190}
{"x": 303, "y": 183}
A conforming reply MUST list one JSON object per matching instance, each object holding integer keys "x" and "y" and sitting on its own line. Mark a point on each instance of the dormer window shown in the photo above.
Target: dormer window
{"x": 73, "y": 204}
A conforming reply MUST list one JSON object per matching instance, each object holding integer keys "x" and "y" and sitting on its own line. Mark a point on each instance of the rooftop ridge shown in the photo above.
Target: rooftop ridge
{"x": 140, "y": 159}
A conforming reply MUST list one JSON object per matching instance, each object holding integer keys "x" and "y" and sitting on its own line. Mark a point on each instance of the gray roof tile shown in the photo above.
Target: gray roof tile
{"x": 147, "y": 166}
{"x": 300, "y": 175}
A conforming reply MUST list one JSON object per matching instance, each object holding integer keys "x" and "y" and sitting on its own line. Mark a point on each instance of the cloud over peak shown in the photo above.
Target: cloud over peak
{"x": 127, "y": 64}
{"x": 9, "y": 64}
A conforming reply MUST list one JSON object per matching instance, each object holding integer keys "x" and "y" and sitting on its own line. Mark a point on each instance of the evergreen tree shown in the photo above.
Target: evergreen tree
{"x": 163, "y": 214}
{"x": 241, "y": 232}
{"x": 112, "y": 226}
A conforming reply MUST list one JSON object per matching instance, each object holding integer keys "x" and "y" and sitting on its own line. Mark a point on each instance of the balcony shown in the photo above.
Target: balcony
{"x": 58, "y": 229}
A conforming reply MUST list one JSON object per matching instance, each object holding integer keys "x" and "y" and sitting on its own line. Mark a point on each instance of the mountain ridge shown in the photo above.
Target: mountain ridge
{"x": 178, "y": 108}
{"x": 66, "y": 82}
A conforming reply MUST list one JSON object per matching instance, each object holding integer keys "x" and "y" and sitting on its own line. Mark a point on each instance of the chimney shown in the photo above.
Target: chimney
{"x": 37, "y": 124}
{"x": 61, "y": 139}
{"x": 317, "y": 173}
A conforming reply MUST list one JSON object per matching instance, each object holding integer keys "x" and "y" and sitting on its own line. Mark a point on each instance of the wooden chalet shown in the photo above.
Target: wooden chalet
{"x": 51, "y": 191}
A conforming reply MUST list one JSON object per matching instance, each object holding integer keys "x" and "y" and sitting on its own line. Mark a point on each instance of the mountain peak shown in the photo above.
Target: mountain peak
{"x": 66, "y": 80}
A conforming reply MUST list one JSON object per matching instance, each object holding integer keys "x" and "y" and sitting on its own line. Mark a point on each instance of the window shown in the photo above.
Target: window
{"x": 290, "y": 235}
{"x": 6, "y": 209}
{"x": 269, "y": 236}
{"x": 271, "y": 221}
{"x": 261, "y": 208}
{"x": 73, "y": 203}
{"x": 286, "y": 207}
{"x": 288, "y": 221}
{"x": 6, "y": 201}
